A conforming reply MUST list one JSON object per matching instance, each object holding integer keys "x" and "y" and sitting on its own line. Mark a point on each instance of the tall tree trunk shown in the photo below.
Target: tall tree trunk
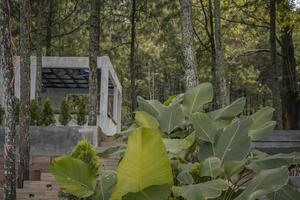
{"x": 133, "y": 71}
{"x": 221, "y": 91}
{"x": 50, "y": 11}
{"x": 6, "y": 63}
{"x": 39, "y": 50}
{"x": 93, "y": 53}
{"x": 290, "y": 94}
{"x": 190, "y": 62}
{"x": 275, "y": 81}
{"x": 24, "y": 145}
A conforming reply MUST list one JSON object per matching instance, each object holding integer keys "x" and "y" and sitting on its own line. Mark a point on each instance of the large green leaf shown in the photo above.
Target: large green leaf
{"x": 195, "y": 98}
{"x": 144, "y": 119}
{"x": 105, "y": 185}
{"x": 201, "y": 191}
{"x": 234, "y": 143}
{"x": 170, "y": 118}
{"x": 185, "y": 172}
{"x": 74, "y": 176}
{"x": 274, "y": 161}
{"x": 229, "y": 112}
{"x": 261, "y": 117}
{"x": 234, "y": 167}
{"x": 157, "y": 192}
{"x": 204, "y": 127}
{"x": 153, "y": 107}
{"x": 262, "y": 124}
{"x": 285, "y": 193}
{"x": 265, "y": 182}
{"x": 212, "y": 167}
{"x": 145, "y": 163}
{"x": 262, "y": 131}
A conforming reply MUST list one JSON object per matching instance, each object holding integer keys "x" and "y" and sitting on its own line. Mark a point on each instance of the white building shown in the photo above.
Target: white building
{"x": 68, "y": 77}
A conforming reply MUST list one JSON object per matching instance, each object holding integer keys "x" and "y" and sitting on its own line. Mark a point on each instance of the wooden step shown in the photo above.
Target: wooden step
{"x": 47, "y": 177}
{"x": 41, "y": 185}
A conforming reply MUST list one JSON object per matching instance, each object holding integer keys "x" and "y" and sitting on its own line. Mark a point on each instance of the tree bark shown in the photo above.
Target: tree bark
{"x": 24, "y": 145}
{"x": 39, "y": 51}
{"x": 291, "y": 103}
{"x": 290, "y": 93}
{"x": 50, "y": 11}
{"x": 93, "y": 53}
{"x": 6, "y": 64}
{"x": 133, "y": 71}
{"x": 190, "y": 62}
{"x": 221, "y": 91}
{"x": 275, "y": 80}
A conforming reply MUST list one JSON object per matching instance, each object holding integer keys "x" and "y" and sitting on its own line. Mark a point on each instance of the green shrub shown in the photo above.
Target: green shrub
{"x": 85, "y": 151}
{"x": 35, "y": 113}
{"x": 65, "y": 113}
{"x": 47, "y": 114}
{"x": 81, "y": 114}
{"x": 2, "y": 112}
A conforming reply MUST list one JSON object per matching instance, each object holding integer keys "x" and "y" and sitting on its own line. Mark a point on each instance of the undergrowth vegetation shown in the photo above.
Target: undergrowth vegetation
{"x": 181, "y": 150}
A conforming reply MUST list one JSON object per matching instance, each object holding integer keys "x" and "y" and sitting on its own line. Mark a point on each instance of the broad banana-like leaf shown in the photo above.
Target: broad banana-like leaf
{"x": 261, "y": 117}
{"x": 111, "y": 151}
{"x": 234, "y": 167}
{"x": 234, "y": 143}
{"x": 105, "y": 185}
{"x": 185, "y": 171}
{"x": 188, "y": 141}
{"x": 157, "y": 192}
{"x": 212, "y": 167}
{"x": 262, "y": 131}
{"x": 74, "y": 176}
{"x": 201, "y": 191}
{"x": 204, "y": 127}
{"x": 144, "y": 119}
{"x": 153, "y": 107}
{"x": 206, "y": 150}
{"x": 177, "y": 99}
{"x": 265, "y": 182}
{"x": 173, "y": 145}
{"x": 229, "y": 112}
{"x": 185, "y": 178}
{"x": 262, "y": 124}
{"x": 285, "y": 193}
{"x": 170, "y": 118}
{"x": 195, "y": 98}
{"x": 145, "y": 163}
{"x": 274, "y": 161}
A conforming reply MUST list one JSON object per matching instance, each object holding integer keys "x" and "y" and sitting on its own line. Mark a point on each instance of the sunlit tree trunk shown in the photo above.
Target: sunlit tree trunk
{"x": 93, "y": 53}
{"x": 6, "y": 64}
{"x": 133, "y": 71}
{"x": 221, "y": 91}
{"x": 24, "y": 145}
{"x": 275, "y": 82}
{"x": 190, "y": 62}
{"x": 39, "y": 50}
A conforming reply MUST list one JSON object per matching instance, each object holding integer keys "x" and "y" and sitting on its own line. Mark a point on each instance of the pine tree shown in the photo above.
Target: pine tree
{"x": 35, "y": 113}
{"x": 65, "y": 113}
{"x": 47, "y": 114}
{"x": 81, "y": 112}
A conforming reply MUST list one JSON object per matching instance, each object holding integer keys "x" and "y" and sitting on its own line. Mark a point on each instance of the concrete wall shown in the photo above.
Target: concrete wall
{"x": 279, "y": 142}
{"x": 54, "y": 140}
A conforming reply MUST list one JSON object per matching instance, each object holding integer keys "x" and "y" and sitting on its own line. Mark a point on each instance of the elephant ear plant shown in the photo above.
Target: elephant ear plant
{"x": 179, "y": 150}
{"x": 211, "y": 153}
{"x": 144, "y": 173}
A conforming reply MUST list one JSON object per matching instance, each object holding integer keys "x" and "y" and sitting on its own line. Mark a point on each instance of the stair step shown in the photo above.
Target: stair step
{"x": 41, "y": 185}
{"x": 47, "y": 177}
